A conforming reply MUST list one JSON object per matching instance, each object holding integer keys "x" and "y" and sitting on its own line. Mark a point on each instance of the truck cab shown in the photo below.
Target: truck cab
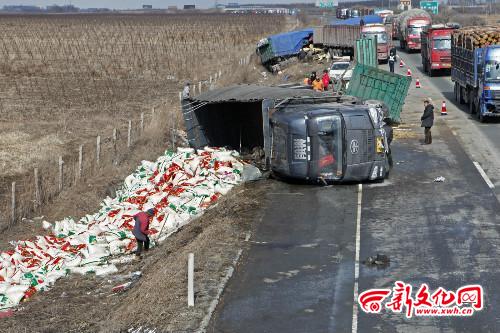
{"x": 414, "y": 28}
{"x": 487, "y": 74}
{"x": 436, "y": 49}
{"x": 378, "y": 31}
{"x": 330, "y": 142}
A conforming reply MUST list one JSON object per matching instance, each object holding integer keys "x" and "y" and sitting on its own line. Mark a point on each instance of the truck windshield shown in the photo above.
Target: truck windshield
{"x": 492, "y": 70}
{"x": 330, "y": 146}
{"x": 381, "y": 36}
{"x": 340, "y": 66}
{"x": 414, "y": 31}
{"x": 442, "y": 44}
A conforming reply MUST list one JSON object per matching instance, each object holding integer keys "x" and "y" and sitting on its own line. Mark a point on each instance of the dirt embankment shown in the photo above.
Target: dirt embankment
{"x": 159, "y": 298}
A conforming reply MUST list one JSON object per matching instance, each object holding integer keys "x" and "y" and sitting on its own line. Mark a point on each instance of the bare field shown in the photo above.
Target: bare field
{"x": 64, "y": 79}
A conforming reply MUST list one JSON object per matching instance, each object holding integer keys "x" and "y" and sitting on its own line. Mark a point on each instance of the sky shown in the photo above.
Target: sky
{"x": 132, "y": 4}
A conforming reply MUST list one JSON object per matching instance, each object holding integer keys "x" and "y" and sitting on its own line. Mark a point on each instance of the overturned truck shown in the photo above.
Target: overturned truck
{"x": 303, "y": 134}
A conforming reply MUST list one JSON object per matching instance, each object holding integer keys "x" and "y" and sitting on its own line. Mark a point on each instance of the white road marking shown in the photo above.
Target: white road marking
{"x": 484, "y": 175}
{"x": 356, "y": 263}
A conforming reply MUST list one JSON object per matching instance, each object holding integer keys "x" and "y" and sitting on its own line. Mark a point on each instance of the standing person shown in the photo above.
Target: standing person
{"x": 325, "y": 79}
{"x": 428, "y": 120}
{"x": 186, "y": 91}
{"x": 318, "y": 84}
{"x": 392, "y": 59}
{"x": 141, "y": 230}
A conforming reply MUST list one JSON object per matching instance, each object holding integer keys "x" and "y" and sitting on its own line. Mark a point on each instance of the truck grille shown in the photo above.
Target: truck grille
{"x": 495, "y": 94}
{"x": 445, "y": 59}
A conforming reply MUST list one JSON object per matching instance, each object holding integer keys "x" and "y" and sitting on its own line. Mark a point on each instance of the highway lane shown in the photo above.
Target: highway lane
{"x": 298, "y": 275}
{"x": 480, "y": 140}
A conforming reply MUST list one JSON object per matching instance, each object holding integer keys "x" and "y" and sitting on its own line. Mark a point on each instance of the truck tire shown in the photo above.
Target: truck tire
{"x": 431, "y": 71}
{"x": 461, "y": 95}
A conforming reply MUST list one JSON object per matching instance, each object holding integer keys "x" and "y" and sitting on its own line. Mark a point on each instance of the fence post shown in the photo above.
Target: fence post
{"x": 129, "y": 135}
{"x": 180, "y": 96}
{"x": 61, "y": 174}
{"x": 37, "y": 189}
{"x": 173, "y": 130}
{"x": 194, "y": 89}
{"x": 200, "y": 86}
{"x": 115, "y": 159}
{"x": 142, "y": 123}
{"x": 80, "y": 161}
{"x": 98, "y": 151}
{"x": 191, "y": 280}
{"x": 13, "y": 204}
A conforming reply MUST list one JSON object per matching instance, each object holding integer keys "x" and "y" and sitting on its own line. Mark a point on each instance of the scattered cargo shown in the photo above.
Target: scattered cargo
{"x": 304, "y": 134}
{"x": 436, "y": 49}
{"x": 411, "y": 23}
{"x": 475, "y": 69}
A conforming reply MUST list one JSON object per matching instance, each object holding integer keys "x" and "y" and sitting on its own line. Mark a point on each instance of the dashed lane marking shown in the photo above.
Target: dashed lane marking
{"x": 484, "y": 175}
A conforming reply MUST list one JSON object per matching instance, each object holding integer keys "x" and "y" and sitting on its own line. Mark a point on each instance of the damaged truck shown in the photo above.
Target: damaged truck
{"x": 302, "y": 134}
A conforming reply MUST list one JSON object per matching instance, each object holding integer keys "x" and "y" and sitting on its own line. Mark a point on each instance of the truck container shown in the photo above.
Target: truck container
{"x": 277, "y": 48}
{"x": 436, "y": 49}
{"x": 339, "y": 40}
{"x": 379, "y": 32}
{"x": 475, "y": 69}
{"x": 411, "y": 23}
{"x": 304, "y": 134}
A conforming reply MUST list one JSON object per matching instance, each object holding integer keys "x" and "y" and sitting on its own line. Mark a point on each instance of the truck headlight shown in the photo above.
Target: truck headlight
{"x": 374, "y": 174}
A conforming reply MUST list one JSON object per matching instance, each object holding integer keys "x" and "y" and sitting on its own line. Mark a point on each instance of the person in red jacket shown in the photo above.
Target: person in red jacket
{"x": 325, "y": 79}
{"x": 141, "y": 230}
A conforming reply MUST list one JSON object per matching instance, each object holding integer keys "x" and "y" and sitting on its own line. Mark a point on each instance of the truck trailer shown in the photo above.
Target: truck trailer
{"x": 304, "y": 134}
{"x": 436, "y": 49}
{"x": 475, "y": 69}
{"x": 339, "y": 39}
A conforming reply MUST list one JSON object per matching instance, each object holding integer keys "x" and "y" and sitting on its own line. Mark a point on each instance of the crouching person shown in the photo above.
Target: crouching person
{"x": 141, "y": 230}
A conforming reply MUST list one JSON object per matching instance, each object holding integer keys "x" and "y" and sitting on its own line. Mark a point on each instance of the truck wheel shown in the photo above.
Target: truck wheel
{"x": 480, "y": 117}
{"x": 431, "y": 71}
{"x": 461, "y": 95}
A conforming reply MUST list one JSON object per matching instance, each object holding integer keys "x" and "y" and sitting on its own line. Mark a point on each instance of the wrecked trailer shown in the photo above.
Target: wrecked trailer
{"x": 303, "y": 134}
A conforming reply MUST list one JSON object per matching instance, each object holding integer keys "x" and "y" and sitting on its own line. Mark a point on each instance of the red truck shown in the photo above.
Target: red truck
{"x": 380, "y": 32}
{"x": 411, "y": 23}
{"x": 436, "y": 49}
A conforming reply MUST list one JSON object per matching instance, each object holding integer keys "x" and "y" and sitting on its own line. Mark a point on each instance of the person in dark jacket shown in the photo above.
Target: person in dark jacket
{"x": 428, "y": 120}
{"x": 141, "y": 230}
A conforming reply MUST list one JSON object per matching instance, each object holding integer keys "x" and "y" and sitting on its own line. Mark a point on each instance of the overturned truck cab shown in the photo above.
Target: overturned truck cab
{"x": 303, "y": 134}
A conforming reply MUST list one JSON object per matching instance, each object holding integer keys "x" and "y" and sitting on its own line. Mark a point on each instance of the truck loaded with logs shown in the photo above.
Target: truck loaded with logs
{"x": 475, "y": 69}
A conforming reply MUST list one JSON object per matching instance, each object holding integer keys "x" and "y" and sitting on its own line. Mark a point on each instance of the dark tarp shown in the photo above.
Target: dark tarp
{"x": 289, "y": 43}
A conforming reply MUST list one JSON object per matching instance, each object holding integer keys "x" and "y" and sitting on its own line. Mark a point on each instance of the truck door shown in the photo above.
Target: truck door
{"x": 326, "y": 147}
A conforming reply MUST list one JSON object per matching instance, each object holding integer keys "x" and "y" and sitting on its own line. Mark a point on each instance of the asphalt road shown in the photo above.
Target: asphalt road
{"x": 298, "y": 274}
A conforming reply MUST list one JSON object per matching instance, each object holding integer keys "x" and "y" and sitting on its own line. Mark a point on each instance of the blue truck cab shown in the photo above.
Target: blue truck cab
{"x": 487, "y": 76}
{"x": 476, "y": 74}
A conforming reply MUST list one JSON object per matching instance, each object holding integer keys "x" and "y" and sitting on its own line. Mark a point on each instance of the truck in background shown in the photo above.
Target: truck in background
{"x": 383, "y": 44}
{"x": 475, "y": 70}
{"x": 436, "y": 49}
{"x": 411, "y": 23}
{"x": 339, "y": 40}
{"x": 276, "y": 49}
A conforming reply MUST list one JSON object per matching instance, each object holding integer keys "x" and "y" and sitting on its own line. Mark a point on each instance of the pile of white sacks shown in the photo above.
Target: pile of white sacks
{"x": 179, "y": 185}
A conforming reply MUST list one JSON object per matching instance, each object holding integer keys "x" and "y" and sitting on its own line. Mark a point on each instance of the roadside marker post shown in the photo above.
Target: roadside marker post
{"x": 191, "y": 280}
